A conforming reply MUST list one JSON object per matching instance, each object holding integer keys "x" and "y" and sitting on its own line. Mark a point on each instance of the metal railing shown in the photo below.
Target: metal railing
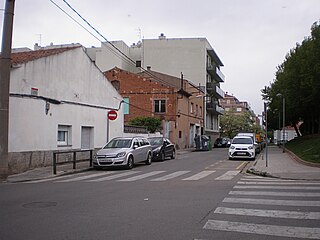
{"x": 72, "y": 154}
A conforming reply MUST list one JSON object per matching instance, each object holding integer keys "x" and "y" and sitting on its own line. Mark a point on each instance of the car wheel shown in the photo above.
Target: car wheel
{"x": 148, "y": 161}
{"x": 130, "y": 163}
{"x": 162, "y": 156}
{"x": 173, "y": 155}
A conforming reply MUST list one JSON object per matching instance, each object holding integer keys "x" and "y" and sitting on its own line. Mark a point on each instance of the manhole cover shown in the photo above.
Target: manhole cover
{"x": 40, "y": 204}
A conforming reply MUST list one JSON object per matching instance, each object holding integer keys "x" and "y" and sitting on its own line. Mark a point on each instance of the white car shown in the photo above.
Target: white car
{"x": 242, "y": 147}
{"x": 124, "y": 151}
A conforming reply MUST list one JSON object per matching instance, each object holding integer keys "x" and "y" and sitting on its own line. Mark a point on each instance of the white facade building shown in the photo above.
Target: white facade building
{"x": 193, "y": 57}
{"x": 59, "y": 100}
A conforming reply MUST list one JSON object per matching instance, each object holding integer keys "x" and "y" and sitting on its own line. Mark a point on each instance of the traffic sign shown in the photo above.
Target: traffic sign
{"x": 112, "y": 115}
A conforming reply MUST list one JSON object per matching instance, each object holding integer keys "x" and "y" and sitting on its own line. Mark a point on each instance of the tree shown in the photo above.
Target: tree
{"x": 151, "y": 123}
{"x": 298, "y": 81}
{"x": 231, "y": 124}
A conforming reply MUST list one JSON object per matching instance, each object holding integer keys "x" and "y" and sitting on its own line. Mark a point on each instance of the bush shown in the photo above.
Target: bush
{"x": 151, "y": 123}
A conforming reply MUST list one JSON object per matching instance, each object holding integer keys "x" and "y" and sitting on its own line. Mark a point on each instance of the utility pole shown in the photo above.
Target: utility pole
{"x": 5, "y": 65}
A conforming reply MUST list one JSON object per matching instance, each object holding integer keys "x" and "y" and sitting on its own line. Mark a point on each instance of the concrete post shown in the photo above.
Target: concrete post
{"x": 5, "y": 65}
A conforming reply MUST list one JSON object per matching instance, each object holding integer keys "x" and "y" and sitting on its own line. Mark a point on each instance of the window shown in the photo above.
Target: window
{"x": 200, "y": 111}
{"x": 239, "y": 109}
{"x": 180, "y": 134}
{"x": 197, "y": 110}
{"x": 160, "y": 106}
{"x": 191, "y": 108}
{"x": 126, "y": 106}
{"x": 64, "y": 135}
{"x": 138, "y": 63}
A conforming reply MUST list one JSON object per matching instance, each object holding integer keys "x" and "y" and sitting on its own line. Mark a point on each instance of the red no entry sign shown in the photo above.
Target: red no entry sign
{"x": 112, "y": 115}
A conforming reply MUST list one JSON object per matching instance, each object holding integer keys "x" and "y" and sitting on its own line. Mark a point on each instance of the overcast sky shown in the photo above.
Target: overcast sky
{"x": 251, "y": 37}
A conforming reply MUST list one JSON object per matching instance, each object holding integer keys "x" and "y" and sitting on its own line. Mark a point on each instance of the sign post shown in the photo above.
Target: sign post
{"x": 112, "y": 115}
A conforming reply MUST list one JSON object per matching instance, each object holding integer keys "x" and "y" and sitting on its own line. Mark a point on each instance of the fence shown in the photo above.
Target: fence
{"x": 71, "y": 157}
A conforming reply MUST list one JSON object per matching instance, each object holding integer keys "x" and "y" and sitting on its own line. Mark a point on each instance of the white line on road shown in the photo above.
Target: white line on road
{"x": 285, "y": 183}
{"x": 267, "y": 180}
{"x": 170, "y": 176}
{"x": 85, "y": 177}
{"x": 272, "y": 230}
{"x": 228, "y": 175}
{"x": 141, "y": 176}
{"x": 268, "y": 213}
{"x": 273, "y": 202}
{"x": 56, "y": 178}
{"x": 115, "y": 176}
{"x": 198, "y": 176}
{"x": 280, "y": 194}
{"x": 278, "y": 187}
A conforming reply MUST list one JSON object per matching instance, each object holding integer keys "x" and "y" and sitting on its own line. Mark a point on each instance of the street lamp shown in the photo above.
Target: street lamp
{"x": 283, "y": 120}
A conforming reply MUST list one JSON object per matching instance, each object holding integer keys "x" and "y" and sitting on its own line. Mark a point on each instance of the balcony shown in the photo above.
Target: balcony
{"x": 214, "y": 108}
{"x": 216, "y": 73}
{"x": 214, "y": 90}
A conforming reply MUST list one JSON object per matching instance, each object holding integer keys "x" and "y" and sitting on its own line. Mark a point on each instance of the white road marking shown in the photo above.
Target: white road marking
{"x": 267, "y": 180}
{"x": 55, "y": 178}
{"x": 281, "y": 183}
{"x": 272, "y": 230}
{"x": 170, "y": 176}
{"x": 84, "y": 177}
{"x": 273, "y": 202}
{"x": 281, "y": 194}
{"x": 278, "y": 187}
{"x": 141, "y": 176}
{"x": 115, "y": 176}
{"x": 268, "y": 213}
{"x": 228, "y": 175}
{"x": 198, "y": 176}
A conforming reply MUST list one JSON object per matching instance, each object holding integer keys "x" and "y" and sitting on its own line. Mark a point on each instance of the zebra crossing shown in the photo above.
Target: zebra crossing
{"x": 134, "y": 175}
{"x": 254, "y": 200}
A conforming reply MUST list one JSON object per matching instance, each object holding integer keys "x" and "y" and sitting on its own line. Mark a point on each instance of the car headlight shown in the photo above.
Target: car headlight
{"x": 158, "y": 149}
{"x": 122, "y": 154}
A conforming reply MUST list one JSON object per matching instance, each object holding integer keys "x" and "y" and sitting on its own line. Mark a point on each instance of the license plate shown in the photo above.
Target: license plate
{"x": 241, "y": 153}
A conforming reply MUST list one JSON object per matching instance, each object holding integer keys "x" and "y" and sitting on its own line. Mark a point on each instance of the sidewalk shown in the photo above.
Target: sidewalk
{"x": 47, "y": 172}
{"x": 283, "y": 165}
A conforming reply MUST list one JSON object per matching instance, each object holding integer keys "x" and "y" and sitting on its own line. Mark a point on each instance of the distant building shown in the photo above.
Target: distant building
{"x": 177, "y": 102}
{"x": 231, "y": 104}
{"x": 193, "y": 57}
{"x": 59, "y": 100}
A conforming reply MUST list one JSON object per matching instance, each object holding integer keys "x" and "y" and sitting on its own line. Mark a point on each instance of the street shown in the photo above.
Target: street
{"x": 198, "y": 195}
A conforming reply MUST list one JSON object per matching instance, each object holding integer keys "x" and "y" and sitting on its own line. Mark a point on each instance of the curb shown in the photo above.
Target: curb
{"x": 299, "y": 160}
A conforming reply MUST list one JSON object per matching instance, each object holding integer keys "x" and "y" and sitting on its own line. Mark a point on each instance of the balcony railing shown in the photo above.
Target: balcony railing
{"x": 216, "y": 73}
{"x": 215, "y": 90}
{"x": 214, "y": 107}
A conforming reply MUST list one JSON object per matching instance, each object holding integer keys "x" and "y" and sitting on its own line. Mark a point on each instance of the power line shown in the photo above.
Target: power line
{"x": 114, "y": 49}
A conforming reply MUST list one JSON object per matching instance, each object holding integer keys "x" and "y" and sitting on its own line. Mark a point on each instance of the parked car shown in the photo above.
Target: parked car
{"x": 124, "y": 151}
{"x": 222, "y": 142}
{"x": 162, "y": 148}
{"x": 257, "y": 146}
{"x": 242, "y": 147}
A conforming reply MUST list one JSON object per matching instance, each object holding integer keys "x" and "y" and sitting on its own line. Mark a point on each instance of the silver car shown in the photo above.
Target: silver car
{"x": 124, "y": 151}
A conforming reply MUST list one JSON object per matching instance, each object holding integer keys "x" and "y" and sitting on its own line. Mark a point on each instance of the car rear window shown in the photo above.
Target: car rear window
{"x": 119, "y": 143}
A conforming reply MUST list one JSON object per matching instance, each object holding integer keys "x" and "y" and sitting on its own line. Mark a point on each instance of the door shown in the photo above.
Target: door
{"x": 86, "y": 137}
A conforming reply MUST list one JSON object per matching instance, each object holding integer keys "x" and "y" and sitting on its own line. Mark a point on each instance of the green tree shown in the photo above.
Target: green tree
{"x": 151, "y": 123}
{"x": 298, "y": 81}
{"x": 231, "y": 124}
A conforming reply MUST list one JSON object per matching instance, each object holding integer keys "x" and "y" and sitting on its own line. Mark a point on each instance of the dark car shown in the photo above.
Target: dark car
{"x": 162, "y": 148}
{"x": 222, "y": 142}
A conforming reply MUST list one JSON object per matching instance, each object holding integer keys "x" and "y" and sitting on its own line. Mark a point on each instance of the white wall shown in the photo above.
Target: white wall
{"x": 69, "y": 76}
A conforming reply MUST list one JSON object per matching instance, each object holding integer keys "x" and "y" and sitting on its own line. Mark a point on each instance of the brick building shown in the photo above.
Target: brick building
{"x": 177, "y": 102}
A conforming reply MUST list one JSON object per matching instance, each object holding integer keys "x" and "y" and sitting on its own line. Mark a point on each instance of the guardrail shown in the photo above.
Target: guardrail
{"x": 73, "y": 158}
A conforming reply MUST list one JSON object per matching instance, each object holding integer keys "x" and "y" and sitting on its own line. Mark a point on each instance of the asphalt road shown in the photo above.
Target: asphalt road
{"x": 198, "y": 195}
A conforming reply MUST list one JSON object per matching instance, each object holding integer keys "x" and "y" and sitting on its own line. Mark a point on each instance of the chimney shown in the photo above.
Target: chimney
{"x": 36, "y": 46}
{"x": 148, "y": 68}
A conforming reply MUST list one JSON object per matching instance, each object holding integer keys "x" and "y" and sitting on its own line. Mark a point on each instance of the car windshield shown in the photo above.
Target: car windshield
{"x": 242, "y": 141}
{"x": 118, "y": 143}
{"x": 156, "y": 141}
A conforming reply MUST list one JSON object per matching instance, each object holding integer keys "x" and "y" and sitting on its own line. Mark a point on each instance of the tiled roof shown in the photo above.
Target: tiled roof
{"x": 23, "y": 57}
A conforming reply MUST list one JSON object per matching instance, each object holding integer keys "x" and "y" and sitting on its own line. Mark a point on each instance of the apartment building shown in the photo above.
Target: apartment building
{"x": 193, "y": 57}
{"x": 231, "y": 103}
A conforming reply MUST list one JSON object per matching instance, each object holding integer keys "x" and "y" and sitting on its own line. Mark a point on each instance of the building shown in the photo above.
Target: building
{"x": 59, "y": 100}
{"x": 177, "y": 102}
{"x": 193, "y": 57}
{"x": 231, "y": 104}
